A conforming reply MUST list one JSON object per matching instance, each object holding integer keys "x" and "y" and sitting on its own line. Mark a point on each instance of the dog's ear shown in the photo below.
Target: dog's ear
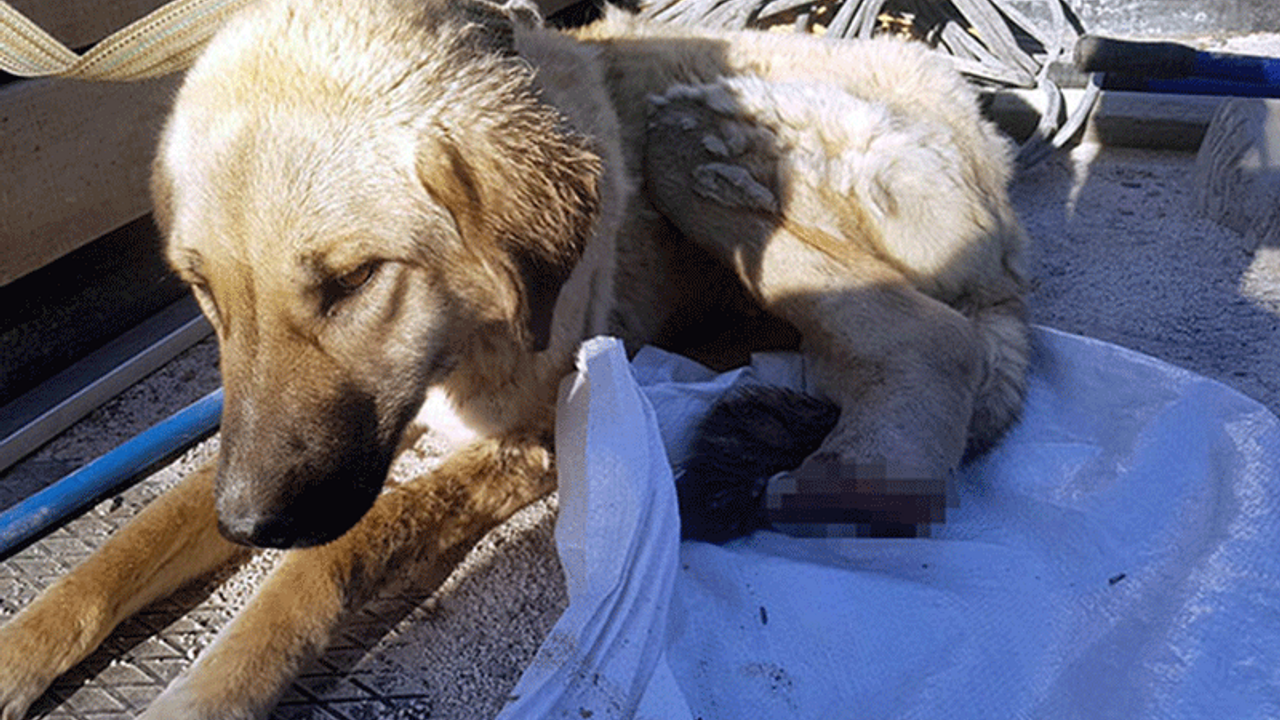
{"x": 525, "y": 192}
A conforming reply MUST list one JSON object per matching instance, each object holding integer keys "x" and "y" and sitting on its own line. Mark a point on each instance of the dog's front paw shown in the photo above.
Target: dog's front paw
{"x": 173, "y": 704}
{"x": 32, "y": 655}
{"x": 182, "y": 700}
{"x": 19, "y": 687}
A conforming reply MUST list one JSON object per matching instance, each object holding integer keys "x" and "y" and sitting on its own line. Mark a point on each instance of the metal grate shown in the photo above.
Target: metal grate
{"x": 410, "y": 653}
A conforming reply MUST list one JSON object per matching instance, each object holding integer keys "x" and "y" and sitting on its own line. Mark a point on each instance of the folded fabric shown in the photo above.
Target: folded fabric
{"x": 1116, "y": 556}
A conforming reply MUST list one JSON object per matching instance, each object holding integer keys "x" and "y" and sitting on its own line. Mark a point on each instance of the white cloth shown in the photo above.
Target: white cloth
{"x": 1116, "y": 556}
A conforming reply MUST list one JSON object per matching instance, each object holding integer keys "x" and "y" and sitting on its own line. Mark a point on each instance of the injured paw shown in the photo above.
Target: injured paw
{"x": 746, "y": 438}
{"x": 753, "y": 466}
{"x": 828, "y": 497}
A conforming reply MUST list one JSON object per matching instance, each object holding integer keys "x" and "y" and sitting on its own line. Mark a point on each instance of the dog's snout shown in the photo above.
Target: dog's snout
{"x": 259, "y": 531}
{"x": 301, "y": 516}
{"x": 303, "y": 524}
{"x": 289, "y": 483}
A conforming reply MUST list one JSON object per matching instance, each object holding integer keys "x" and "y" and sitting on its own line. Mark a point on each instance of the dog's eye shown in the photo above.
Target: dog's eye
{"x": 338, "y": 289}
{"x": 354, "y": 280}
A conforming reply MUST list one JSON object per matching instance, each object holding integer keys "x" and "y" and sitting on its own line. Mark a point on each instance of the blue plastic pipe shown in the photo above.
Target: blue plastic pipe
{"x": 1168, "y": 67}
{"x": 109, "y": 474}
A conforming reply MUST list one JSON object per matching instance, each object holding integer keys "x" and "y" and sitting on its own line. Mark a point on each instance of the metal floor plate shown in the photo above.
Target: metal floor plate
{"x": 410, "y": 653}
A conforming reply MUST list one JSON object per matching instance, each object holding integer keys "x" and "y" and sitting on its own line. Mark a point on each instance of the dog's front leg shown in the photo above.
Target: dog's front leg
{"x": 425, "y": 523}
{"x": 173, "y": 540}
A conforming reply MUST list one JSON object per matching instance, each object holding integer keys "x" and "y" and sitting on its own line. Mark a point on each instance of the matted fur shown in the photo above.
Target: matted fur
{"x": 401, "y": 214}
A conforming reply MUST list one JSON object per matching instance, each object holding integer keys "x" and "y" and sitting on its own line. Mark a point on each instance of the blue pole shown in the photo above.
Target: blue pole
{"x": 1175, "y": 68}
{"x": 109, "y": 474}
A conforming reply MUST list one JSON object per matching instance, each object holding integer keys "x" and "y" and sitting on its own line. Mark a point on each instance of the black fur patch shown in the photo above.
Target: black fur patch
{"x": 746, "y": 438}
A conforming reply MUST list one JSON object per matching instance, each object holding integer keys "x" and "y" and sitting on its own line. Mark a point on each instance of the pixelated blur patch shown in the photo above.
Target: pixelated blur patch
{"x": 753, "y": 466}
{"x": 827, "y": 497}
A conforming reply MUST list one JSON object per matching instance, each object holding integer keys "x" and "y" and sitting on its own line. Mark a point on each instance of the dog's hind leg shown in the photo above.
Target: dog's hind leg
{"x": 426, "y": 523}
{"x": 786, "y": 184}
{"x": 173, "y": 540}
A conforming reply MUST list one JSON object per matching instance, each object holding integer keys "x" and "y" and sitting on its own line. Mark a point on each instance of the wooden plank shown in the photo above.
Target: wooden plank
{"x": 80, "y": 23}
{"x": 74, "y": 164}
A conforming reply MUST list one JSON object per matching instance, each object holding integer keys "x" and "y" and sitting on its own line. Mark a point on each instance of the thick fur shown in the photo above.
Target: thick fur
{"x": 401, "y": 214}
{"x": 746, "y": 438}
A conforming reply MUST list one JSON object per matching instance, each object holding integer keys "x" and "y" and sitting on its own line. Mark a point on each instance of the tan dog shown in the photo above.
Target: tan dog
{"x": 402, "y": 213}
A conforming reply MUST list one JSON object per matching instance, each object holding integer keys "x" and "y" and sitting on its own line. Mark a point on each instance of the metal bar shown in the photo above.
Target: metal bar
{"x": 109, "y": 474}
{"x": 40, "y": 414}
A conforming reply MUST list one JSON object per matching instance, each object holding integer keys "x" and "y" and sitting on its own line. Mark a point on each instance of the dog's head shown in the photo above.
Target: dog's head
{"x": 362, "y": 198}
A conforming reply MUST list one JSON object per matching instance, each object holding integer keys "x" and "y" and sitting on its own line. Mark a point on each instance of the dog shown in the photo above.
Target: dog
{"x": 407, "y": 214}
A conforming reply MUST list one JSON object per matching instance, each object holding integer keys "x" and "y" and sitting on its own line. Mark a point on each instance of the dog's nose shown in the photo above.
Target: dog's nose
{"x": 264, "y": 531}
{"x": 291, "y": 528}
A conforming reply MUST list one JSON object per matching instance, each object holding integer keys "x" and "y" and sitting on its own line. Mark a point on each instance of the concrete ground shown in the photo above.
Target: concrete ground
{"x": 1118, "y": 253}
